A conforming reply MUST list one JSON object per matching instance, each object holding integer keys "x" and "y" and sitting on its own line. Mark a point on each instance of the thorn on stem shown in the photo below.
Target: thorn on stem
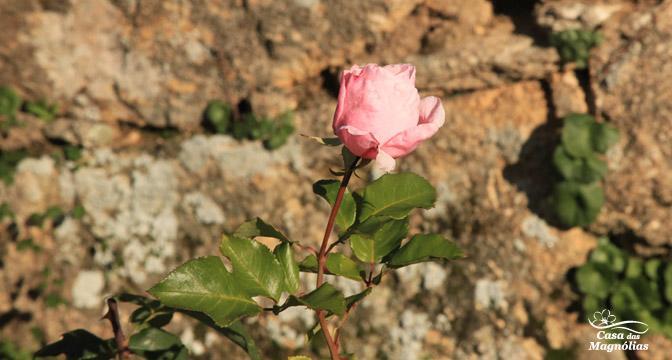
{"x": 113, "y": 316}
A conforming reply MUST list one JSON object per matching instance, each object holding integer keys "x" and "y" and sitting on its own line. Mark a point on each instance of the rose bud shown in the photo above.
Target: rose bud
{"x": 380, "y": 114}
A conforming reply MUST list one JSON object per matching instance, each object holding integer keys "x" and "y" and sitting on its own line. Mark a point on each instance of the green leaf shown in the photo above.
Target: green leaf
{"x": 647, "y": 292}
{"x": 591, "y": 304}
{"x": 334, "y": 141}
{"x": 566, "y": 165}
{"x": 328, "y": 190}
{"x": 257, "y": 227}
{"x": 204, "y": 284}
{"x": 299, "y": 357}
{"x": 11, "y": 351}
{"x": 255, "y": 268}
{"x": 667, "y": 280}
{"x": 592, "y": 169}
{"x": 262, "y": 129}
{"x": 9, "y": 101}
{"x": 78, "y": 212}
{"x": 395, "y": 195}
{"x": 585, "y": 170}
{"x": 218, "y": 116}
{"x": 236, "y": 332}
{"x": 290, "y": 268}
{"x": 282, "y": 128}
{"x": 153, "y": 313}
{"x": 635, "y": 268}
{"x": 326, "y": 297}
{"x": 651, "y": 268}
{"x": 625, "y": 300}
{"x": 240, "y": 129}
{"x": 337, "y": 264}
{"x": 42, "y": 109}
{"x": 153, "y": 339}
{"x": 72, "y": 153}
{"x": 373, "y": 248}
{"x": 577, "y": 204}
{"x": 595, "y": 279}
{"x": 609, "y": 255}
{"x": 425, "y": 247}
{"x": 309, "y": 264}
{"x": 576, "y": 134}
{"x": 348, "y": 158}
{"x": 604, "y": 136}
{"x": 6, "y": 211}
{"x": 79, "y": 345}
{"x": 351, "y": 300}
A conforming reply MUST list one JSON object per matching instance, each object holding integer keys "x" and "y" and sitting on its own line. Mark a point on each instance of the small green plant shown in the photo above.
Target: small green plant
{"x": 78, "y": 212}
{"x": 218, "y": 116}
{"x": 633, "y": 288}
{"x": 10, "y": 102}
{"x": 574, "y": 45}
{"x": 272, "y": 132}
{"x": 8, "y": 162}
{"x": 6, "y": 211}
{"x": 579, "y": 160}
{"x": 53, "y": 213}
{"x": 28, "y": 244}
{"x": 42, "y": 109}
{"x": 72, "y": 152}
{"x": 11, "y": 351}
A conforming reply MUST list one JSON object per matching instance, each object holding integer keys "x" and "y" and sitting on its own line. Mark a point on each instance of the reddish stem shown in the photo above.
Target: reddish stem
{"x": 322, "y": 258}
{"x": 113, "y": 316}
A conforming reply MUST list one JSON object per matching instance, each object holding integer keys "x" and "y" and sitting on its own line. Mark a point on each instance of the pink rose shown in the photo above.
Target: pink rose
{"x": 380, "y": 114}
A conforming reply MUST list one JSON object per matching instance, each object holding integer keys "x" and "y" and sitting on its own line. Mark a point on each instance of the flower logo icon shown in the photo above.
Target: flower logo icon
{"x": 603, "y": 318}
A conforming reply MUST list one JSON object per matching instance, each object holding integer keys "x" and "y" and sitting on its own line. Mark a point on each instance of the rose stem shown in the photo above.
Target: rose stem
{"x": 322, "y": 257}
{"x": 113, "y": 315}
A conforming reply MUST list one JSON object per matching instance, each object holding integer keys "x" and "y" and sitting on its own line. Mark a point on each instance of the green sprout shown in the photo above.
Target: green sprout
{"x": 577, "y": 200}
{"x": 9, "y": 104}
{"x": 574, "y": 45}
{"x": 8, "y": 162}
{"x": 9, "y": 101}
{"x": 42, "y": 109}
{"x": 273, "y": 133}
{"x": 72, "y": 152}
{"x": 632, "y": 287}
{"x": 218, "y": 116}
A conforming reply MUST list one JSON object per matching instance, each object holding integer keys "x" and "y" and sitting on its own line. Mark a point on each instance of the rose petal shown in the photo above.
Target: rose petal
{"x": 384, "y": 161}
{"x": 346, "y": 75}
{"x": 378, "y": 101}
{"x": 406, "y": 70}
{"x": 432, "y": 117}
{"x": 359, "y": 142}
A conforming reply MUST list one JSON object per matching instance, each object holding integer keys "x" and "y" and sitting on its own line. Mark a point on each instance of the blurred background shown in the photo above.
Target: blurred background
{"x": 113, "y": 173}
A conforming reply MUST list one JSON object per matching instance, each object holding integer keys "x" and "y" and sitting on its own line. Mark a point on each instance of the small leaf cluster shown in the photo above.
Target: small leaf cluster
{"x": 272, "y": 132}
{"x": 373, "y": 219}
{"x": 11, "y": 351}
{"x": 10, "y": 103}
{"x": 8, "y": 162}
{"x": 42, "y": 109}
{"x": 574, "y": 45}
{"x": 633, "y": 288}
{"x": 579, "y": 159}
{"x": 148, "y": 340}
